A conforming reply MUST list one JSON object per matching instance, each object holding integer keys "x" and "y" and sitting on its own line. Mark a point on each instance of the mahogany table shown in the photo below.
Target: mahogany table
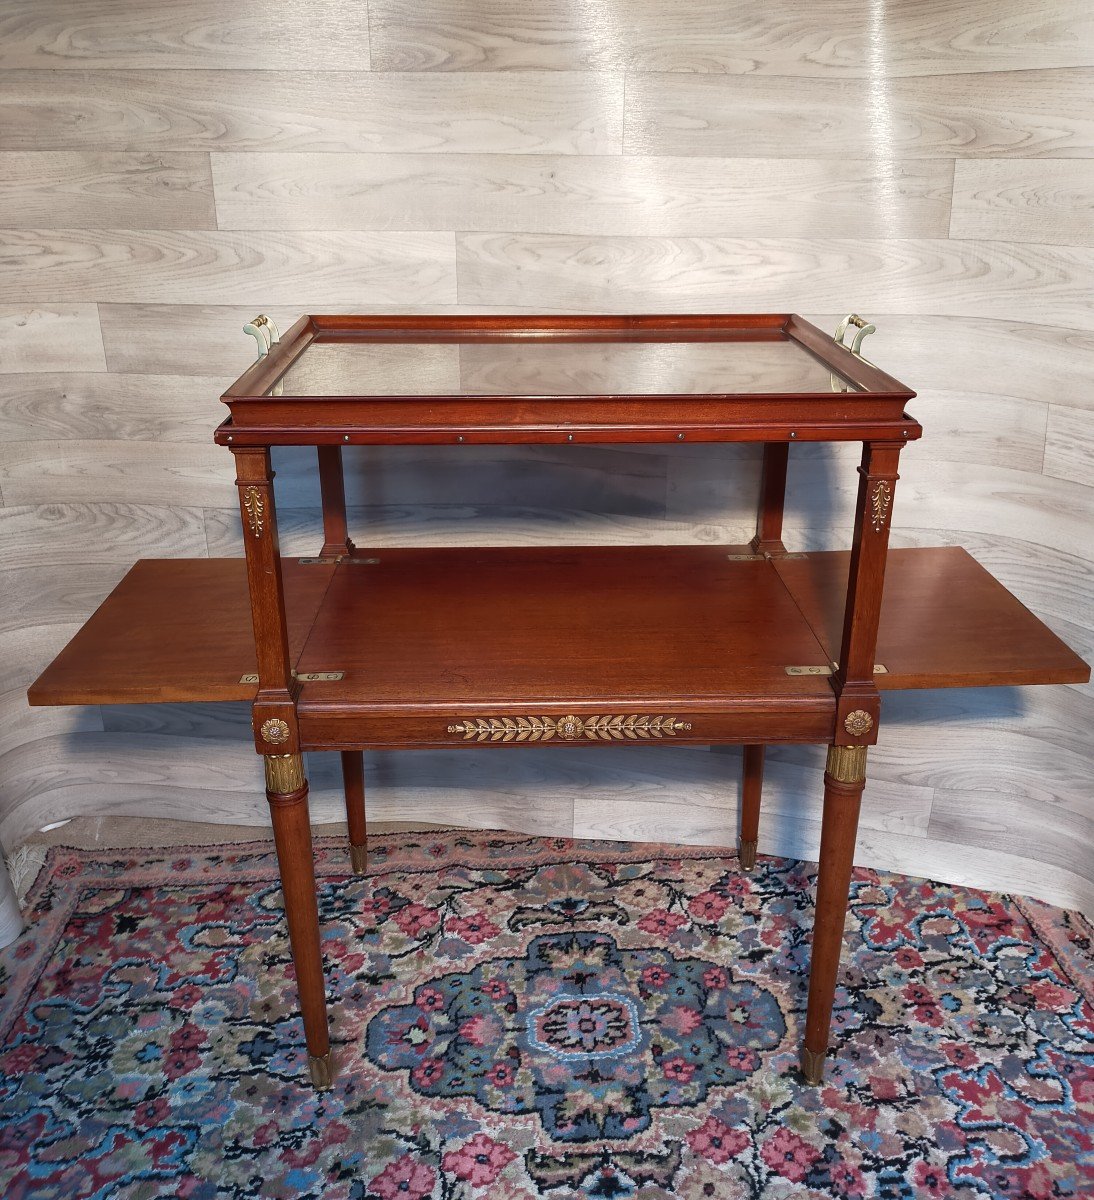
{"x": 355, "y": 650}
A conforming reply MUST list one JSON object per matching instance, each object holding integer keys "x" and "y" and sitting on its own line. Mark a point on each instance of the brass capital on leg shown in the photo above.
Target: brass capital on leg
{"x": 321, "y": 1068}
{"x": 846, "y": 764}
{"x": 358, "y": 857}
{"x": 284, "y": 773}
{"x": 746, "y": 853}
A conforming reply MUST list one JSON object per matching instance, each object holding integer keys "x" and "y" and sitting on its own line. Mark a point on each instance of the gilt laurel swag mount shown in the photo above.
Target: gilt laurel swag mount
{"x": 354, "y": 650}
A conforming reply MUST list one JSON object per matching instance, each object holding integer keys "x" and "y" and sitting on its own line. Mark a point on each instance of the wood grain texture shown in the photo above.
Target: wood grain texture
{"x": 640, "y": 196}
{"x": 97, "y": 532}
{"x": 1051, "y": 201}
{"x": 136, "y": 191}
{"x": 620, "y": 274}
{"x": 80, "y": 405}
{"x": 507, "y": 122}
{"x": 1027, "y": 114}
{"x": 1069, "y": 445}
{"x": 310, "y": 110}
{"x": 179, "y": 266}
{"x": 169, "y": 338}
{"x": 65, "y": 472}
{"x": 1020, "y": 359}
{"x": 190, "y": 34}
{"x": 835, "y": 37}
{"x": 54, "y": 337}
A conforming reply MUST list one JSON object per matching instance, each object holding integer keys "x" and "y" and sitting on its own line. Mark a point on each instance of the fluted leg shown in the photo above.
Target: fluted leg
{"x": 751, "y": 786}
{"x": 353, "y": 778}
{"x": 844, "y": 779}
{"x": 287, "y": 792}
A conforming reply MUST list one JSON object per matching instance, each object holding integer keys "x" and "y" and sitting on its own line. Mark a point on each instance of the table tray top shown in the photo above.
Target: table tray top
{"x": 711, "y": 377}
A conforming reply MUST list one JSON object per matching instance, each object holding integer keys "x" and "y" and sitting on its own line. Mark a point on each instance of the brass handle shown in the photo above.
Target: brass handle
{"x": 265, "y": 333}
{"x": 861, "y": 324}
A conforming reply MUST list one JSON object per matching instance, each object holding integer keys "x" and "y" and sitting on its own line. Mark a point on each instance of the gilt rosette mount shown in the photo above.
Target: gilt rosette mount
{"x": 275, "y": 731}
{"x": 568, "y": 728}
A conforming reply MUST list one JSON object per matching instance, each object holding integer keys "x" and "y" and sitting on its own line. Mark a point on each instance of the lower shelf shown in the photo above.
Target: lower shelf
{"x": 422, "y": 647}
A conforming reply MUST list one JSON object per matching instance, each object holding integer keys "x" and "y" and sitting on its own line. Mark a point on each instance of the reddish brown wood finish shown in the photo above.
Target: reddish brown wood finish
{"x": 176, "y": 630}
{"x": 274, "y": 711}
{"x": 428, "y": 642}
{"x": 292, "y": 838}
{"x": 752, "y": 779}
{"x": 336, "y": 539}
{"x": 672, "y": 625}
{"x": 353, "y": 779}
{"x": 872, "y": 410}
{"x": 769, "y": 518}
{"x": 945, "y": 622}
{"x": 180, "y": 629}
{"x": 839, "y": 827}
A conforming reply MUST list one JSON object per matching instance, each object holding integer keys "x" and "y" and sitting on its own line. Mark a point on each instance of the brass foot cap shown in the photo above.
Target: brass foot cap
{"x": 321, "y": 1069}
{"x": 746, "y": 852}
{"x": 812, "y": 1065}
{"x": 358, "y": 857}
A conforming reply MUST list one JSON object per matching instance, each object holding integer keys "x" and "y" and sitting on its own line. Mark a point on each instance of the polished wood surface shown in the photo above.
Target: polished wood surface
{"x": 431, "y": 629}
{"x": 946, "y": 622}
{"x": 175, "y": 630}
{"x": 415, "y": 629}
{"x": 842, "y": 801}
{"x": 769, "y": 377}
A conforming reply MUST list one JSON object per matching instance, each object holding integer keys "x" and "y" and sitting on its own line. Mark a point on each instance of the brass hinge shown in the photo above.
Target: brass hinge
{"x": 879, "y": 669}
{"x": 342, "y": 558}
{"x": 304, "y": 677}
{"x": 763, "y": 557}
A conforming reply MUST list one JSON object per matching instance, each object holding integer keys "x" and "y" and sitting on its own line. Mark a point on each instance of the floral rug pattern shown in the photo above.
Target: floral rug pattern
{"x": 522, "y": 1018}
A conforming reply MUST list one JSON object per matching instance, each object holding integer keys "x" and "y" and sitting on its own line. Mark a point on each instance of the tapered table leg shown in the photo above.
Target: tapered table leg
{"x": 751, "y": 786}
{"x": 353, "y": 779}
{"x": 287, "y": 792}
{"x": 844, "y": 779}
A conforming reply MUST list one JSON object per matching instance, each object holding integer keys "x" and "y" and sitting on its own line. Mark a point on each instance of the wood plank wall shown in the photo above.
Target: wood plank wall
{"x": 167, "y": 171}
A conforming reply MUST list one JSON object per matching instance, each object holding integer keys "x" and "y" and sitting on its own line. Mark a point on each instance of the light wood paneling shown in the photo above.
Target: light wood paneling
{"x": 976, "y": 279}
{"x": 1012, "y": 824}
{"x": 170, "y": 338}
{"x": 98, "y": 532}
{"x": 54, "y": 337}
{"x": 137, "y": 191}
{"x": 1027, "y": 114}
{"x": 1018, "y": 359}
{"x": 506, "y": 158}
{"x": 833, "y": 37}
{"x": 74, "y": 405}
{"x": 1025, "y": 201}
{"x": 310, "y": 110}
{"x": 1069, "y": 451}
{"x": 131, "y": 34}
{"x": 191, "y": 267}
{"x": 980, "y": 427}
{"x": 49, "y": 595}
{"x": 114, "y": 472}
{"x": 640, "y": 196}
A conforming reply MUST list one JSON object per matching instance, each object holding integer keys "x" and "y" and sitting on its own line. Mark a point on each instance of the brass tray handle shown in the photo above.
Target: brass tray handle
{"x": 265, "y": 333}
{"x": 861, "y": 324}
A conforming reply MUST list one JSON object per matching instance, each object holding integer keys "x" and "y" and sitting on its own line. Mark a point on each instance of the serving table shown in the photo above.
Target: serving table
{"x": 360, "y": 649}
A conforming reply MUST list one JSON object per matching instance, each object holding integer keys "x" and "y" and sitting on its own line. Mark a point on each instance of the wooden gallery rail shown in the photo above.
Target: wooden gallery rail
{"x": 355, "y": 650}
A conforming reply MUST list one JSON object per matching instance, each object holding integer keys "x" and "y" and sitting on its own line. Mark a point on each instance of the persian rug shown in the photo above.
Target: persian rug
{"x": 521, "y": 1018}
